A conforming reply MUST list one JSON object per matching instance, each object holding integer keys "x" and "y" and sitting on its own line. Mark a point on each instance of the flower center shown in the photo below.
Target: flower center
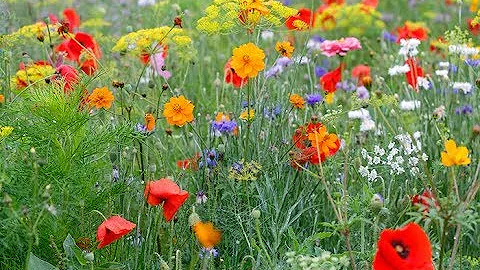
{"x": 246, "y": 58}
{"x": 401, "y": 249}
{"x": 177, "y": 108}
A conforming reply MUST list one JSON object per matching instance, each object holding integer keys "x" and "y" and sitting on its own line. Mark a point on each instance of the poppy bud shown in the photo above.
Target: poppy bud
{"x": 40, "y": 37}
{"x": 89, "y": 256}
{"x": 476, "y": 129}
{"x": 256, "y": 213}
{"x": 477, "y": 82}
{"x": 164, "y": 68}
{"x": 376, "y": 202}
{"x": 118, "y": 84}
{"x": 168, "y": 131}
{"x": 194, "y": 218}
{"x": 177, "y": 22}
{"x": 164, "y": 86}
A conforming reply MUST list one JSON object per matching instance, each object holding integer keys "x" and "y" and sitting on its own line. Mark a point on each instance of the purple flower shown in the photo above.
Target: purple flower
{"x": 320, "y": 71}
{"x": 362, "y": 93}
{"x": 224, "y": 126}
{"x": 465, "y": 110}
{"x": 313, "y": 99}
{"x": 473, "y": 62}
{"x": 201, "y": 198}
{"x": 208, "y": 253}
{"x": 278, "y": 67}
{"x": 347, "y": 86}
{"x": 210, "y": 158}
{"x": 389, "y": 36}
{"x": 140, "y": 128}
{"x": 272, "y": 113}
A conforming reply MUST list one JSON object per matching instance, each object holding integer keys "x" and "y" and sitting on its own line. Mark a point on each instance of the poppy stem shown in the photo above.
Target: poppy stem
{"x": 442, "y": 242}
{"x": 100, "y": 213}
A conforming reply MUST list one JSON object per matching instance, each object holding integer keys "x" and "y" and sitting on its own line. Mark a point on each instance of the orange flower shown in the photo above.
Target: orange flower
{"x": 178, "y": 111}
{"x": 101, "y": 98}
{"x": 247, "y": 60}
{"x": 149, "y": 122}
{"x": 2, "y": 98}
{"x": 285, "y": 48}
{"x": 454, "y": 155}
{"x": 326, "y": 144}
{"x": 297, "y": 101}
{"x": 207, "y": 234}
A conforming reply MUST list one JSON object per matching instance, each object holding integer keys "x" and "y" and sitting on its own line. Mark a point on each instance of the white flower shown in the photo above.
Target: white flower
{"x": 359, "y": 114}
{"x": 464, "y": 86}
{"x": 439, "y": 112}
{"x": 409, "y": 105}
{"x": 378, "y": 150}
{"x": 424, "y": 157}
{"x": 391, "y": 145}
{"x": 363, "y": 170}
{"x": 376, "y": 160}
{"x": 144, "y": 3}
{"x": 364, "y": 153}
{"x": 412, "y": 161}
{"x": 444, "y": 64}
{"x": 409, "y": 47}
{"x": 373, "y": 175}
{"x": 267, "y": 35}
{"x": 367, "y": 124}
{"x": 396, "y": 70}
{"x": 462, "y": 50}
{"x": 442, "y": 73}
{"x": 414, "y": 171}
{"x": 424, "y": 83}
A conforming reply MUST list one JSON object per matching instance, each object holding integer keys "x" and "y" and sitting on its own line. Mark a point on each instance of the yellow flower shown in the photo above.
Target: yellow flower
{"x": 284, "y": 48}
{"x": 454, "y": 155}
{"x": 101, "y": 98}
{"x": 208, "y": 236}
{"x": 5, "y": 131}
{"x": 247, "y": 115}
{"x": 178, "y": 111}
{"x": 247, "y": 60}
{"x": 297, "y": 101}
{"x": 329, "y": 98}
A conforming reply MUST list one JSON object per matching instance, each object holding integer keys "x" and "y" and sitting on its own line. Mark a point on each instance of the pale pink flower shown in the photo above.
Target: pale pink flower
{"x": 341, "y": 47}
{"x": 157, "y": 61}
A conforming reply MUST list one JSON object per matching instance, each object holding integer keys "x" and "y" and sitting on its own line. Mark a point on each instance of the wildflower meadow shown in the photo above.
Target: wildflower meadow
{"x": 240, "y": 134}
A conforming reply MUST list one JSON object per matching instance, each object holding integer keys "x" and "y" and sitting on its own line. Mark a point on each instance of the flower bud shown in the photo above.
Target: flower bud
{"x": 256, "y": 213}
{"x": 377, "y": 201}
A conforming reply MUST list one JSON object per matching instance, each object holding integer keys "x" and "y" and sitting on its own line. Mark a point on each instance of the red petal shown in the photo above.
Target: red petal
{"x": 112, "y": 229}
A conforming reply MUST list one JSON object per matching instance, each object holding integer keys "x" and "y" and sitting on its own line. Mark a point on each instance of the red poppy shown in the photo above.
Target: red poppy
{"x": 370, "y": 3}
{"x": 414, "y": 72}
{"x": 329, "y": 80}
{"x": 82, "y": 48}
{"x": 232, "y": 77}
{"x": 189, "y": 163}
{"x": 475, "y": 30}
{"x": 72, "y": 18}
{"x": 412, "y": 30}
{"x": 402, "y": 249}
{"x": 302, "y": 21}
{"x": 113, "y": 229}
{"x": 145, "y": 56}
{"x": 425, "y": 200}
{"x": 166, "y": 191}
{"x": 69, "y": 75}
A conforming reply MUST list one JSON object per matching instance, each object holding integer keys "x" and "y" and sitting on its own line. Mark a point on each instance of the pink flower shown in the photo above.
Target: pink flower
{"x": 341, "y": 47}
{"x": 158, "y": 64}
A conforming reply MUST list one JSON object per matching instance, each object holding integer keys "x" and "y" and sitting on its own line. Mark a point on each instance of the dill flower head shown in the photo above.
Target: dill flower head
{"x": 101, "y": 98}
{"x": 285, "y": 48}
{"x": 32, "y": 73}
{"x": 297, "y": 101}
{"x": 454, "y": 155}
{"x": 208, "y": 236}
{"x": 178, "y": 111}
{"x": 247, "y": 60}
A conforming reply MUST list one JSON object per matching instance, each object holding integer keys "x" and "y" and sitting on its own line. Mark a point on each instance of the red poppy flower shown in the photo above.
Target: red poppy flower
{"x": 414, "y": 72}
{"x": 402, "y": 249}
{"x": 166, "y": 191}
{"x": 425, "y": 200}
{"x": 302, "y": 21}
{"x": 329, "y": 80}
{"x": 412, "y": 30}
{"x": 80, "y": 49}
{"x": 475, "y": 30}
{"x": 232, "y": 77}
{"x": 69, "y": 75}
{"x": 113, "y": 229}
{"x": 72, "y": 18}
{"x": 370, "y": 3}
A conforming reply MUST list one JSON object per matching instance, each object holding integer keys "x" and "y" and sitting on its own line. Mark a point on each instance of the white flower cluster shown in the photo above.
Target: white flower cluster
{"x": 443, "y": 70}
{"x": 367, "y": 122}
{"x": 396, "y": 70}
{"x": 423, "y": 82}
{"x": 409, "y": 47}
{"x": 464, "y": 86}
{"x": 409, "y": 105}
{"x": 462, "y": 50}
{"x": 397, "y": 158}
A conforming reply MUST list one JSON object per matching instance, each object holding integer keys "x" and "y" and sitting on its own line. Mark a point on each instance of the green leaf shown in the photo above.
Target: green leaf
{"x": 111, "y": 265}
{"x": 35, "y": 263}
{"x": 73, "y": 251}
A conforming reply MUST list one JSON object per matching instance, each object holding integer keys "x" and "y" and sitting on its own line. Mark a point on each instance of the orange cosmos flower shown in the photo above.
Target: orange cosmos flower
{"x": 101, "y": 98}
{"x": 454, "y": 155}
{"x": 326, "y": 144}
{"x": 149, "y": 122}
{"x": 178, "y": 111}
{"x": 207, "y": 234}
{"x": 247, "y": 60}
{"x": 297, "y": 101}
{"x": 2, "y": 98}
{"x": 285, "y": 48}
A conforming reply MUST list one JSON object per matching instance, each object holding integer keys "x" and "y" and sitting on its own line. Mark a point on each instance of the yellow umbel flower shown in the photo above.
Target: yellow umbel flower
{"x": 5, "y": 131}
{"x": 454, "y": 155}
{"x": 247, "y": 115}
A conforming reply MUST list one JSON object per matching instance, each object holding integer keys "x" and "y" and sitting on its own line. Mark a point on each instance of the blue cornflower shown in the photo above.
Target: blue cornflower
{"x": 209, "y": 158}
{"x": 313, "y": 99}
